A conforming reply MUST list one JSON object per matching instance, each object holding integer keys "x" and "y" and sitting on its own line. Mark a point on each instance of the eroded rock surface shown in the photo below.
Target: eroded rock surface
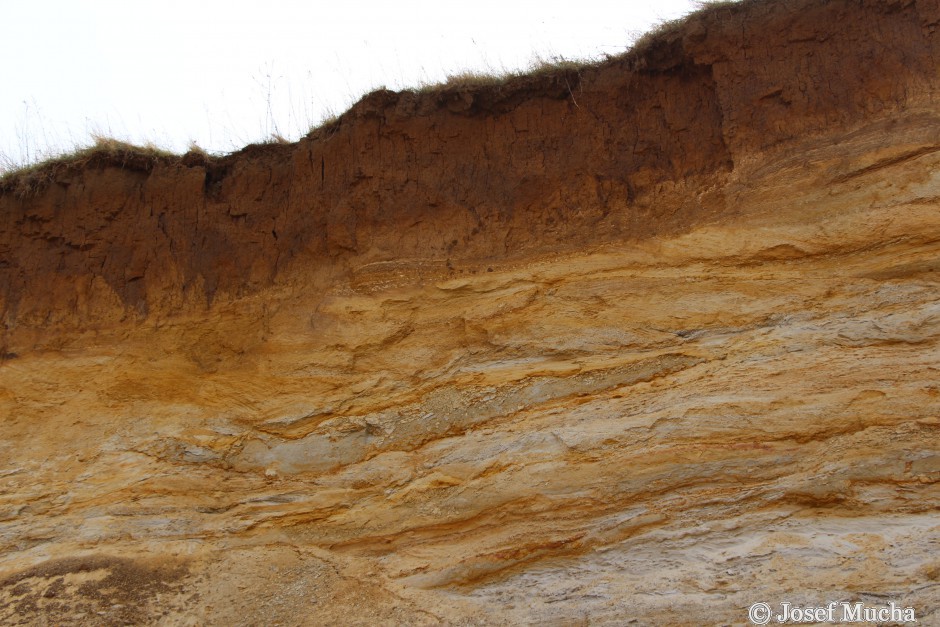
{"x": 681, "y": 358}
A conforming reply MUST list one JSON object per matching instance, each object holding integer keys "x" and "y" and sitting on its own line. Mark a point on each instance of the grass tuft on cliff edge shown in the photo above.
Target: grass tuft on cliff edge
{"x": 104, "y": 151}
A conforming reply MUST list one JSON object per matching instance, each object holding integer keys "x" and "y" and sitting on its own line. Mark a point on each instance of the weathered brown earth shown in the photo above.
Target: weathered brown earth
{"x": 651, "y": 341}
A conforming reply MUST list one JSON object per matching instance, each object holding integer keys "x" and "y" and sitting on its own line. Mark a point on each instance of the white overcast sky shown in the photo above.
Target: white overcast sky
{"x": 224, "y": 74}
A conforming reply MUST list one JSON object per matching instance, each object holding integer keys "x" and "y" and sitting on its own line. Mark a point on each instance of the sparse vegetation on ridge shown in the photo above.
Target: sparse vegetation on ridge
{"x": 470, "y": 79}
{"x": 30, "y": 176}
{"x": 27, "y": 179}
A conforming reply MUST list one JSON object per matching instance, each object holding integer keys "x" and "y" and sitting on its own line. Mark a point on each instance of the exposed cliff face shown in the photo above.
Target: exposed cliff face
{"x": 653, "y": 340}
{"x": 635, "y": 147}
